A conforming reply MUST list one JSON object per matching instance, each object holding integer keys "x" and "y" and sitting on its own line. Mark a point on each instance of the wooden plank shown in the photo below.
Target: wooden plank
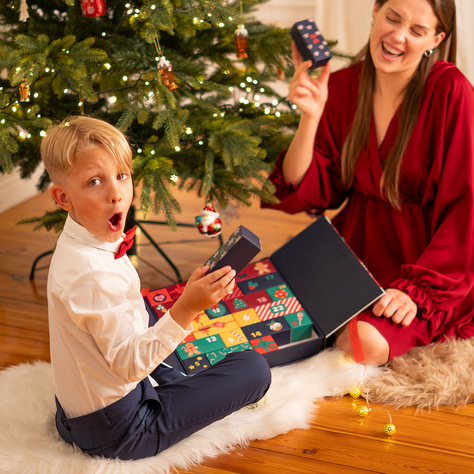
{"x": 258, "y": 461}
{"x": 425, "y": 430}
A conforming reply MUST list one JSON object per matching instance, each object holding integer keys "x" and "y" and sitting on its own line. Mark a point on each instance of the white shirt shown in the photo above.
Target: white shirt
{"x": 100, "y": 343}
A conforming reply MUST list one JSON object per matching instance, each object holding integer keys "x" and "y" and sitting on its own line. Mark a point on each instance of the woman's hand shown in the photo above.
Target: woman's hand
{"x": 308, "y": 94}
{"x": 201, "y": 292}
{"x": 397, "y": 305}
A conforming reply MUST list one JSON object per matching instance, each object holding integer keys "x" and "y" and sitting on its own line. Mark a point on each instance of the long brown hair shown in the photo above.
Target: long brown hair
{"x": 358, "y": 137}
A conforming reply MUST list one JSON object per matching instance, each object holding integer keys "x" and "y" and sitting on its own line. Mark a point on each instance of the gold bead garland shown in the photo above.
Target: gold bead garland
{"x": 363, "y": 411}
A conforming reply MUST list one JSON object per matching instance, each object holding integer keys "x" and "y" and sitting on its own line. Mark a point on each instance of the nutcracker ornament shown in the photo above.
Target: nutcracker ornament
{"x": 167, "y": 73}
{"x": 241, "y": 38}
{"x": 93, "y": 8}
{"x": 208, "y": 223}
{"x": 24, "y": 91}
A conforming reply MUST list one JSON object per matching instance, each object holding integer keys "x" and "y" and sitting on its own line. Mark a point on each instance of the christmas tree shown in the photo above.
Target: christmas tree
{"x": 197, "y": 106}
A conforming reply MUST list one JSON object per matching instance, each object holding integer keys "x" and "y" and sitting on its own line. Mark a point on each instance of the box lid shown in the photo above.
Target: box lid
{"x": 328, "y": 279}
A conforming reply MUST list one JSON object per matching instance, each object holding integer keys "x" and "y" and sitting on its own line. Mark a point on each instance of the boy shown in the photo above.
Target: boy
{"x": 102, "y": 350}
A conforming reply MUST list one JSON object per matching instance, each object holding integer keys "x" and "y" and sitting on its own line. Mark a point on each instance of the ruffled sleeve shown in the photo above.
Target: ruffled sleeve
{"x": 443, "y": 275}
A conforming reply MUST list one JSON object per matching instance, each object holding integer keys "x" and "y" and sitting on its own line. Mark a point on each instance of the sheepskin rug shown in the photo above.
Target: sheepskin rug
{"x": 29, "y": 442}
{"x": 440, "y": 374}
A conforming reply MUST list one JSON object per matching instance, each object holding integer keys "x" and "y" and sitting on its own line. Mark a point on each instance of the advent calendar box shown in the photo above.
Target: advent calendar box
{"x": 284, "y": 307}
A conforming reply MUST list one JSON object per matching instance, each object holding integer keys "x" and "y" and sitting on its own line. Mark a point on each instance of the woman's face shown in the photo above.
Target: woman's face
{"x": 403, "y": 30}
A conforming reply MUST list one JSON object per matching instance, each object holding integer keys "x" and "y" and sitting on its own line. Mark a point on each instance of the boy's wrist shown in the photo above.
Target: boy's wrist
{"x": 182, "y": 313}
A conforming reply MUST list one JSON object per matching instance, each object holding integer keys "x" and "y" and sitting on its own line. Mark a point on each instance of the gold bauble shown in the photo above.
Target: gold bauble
{"x": 355, "y": 392}
{"x": 389, "y": 429}
{"x": 362, "y": 411}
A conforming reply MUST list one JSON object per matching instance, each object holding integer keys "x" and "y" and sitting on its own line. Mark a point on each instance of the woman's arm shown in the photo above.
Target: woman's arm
{"x": 310, "y": 96}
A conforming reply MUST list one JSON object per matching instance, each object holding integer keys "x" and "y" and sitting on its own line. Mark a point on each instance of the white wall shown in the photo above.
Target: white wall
{"x": 14, "y": 190}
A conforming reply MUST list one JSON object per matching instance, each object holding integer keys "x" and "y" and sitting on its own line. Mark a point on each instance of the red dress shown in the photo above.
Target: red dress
{"x": 427, "y": 248}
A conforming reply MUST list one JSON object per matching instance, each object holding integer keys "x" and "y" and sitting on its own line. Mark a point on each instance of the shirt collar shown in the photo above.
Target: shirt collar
{"x": 82, "y": 235}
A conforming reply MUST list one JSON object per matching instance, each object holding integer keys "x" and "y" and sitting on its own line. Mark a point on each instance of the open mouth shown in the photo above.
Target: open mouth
{"x": 115, "y": 222}
{"x": 390, "y": 52}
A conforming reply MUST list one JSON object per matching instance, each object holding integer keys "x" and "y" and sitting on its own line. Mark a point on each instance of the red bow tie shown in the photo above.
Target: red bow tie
{"x": 127, "y": 242}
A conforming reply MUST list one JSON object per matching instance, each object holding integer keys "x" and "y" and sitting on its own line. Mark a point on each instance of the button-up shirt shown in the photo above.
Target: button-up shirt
{"x": 101, "y": 345}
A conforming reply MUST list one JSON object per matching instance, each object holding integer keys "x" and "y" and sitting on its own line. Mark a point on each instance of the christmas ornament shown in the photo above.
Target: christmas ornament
{"x": 355, "y": 393}
{"x": 363, "y": 411}
{"x": 93, "y": 8}
{"x": 24, "y": 15}
{"x": 208, "y": 223}
{"x": 389, "y": 429}
{"x": 24, "y": 91}
{"x": 241, "y": 38}
{"x": 167, "y": 74}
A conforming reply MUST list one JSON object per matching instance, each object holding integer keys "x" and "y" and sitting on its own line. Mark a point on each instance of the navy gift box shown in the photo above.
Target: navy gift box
{"x": 317, "y": 276}
{"x": 236, "y": 251}
{"x": 310, "y": 43}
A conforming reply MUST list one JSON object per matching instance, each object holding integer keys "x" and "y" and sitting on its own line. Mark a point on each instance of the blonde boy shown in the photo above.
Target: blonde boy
{"x": 102, "y": 351}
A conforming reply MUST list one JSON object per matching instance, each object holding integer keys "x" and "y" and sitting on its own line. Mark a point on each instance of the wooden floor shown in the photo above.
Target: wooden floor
{"x": 437, "y": 442}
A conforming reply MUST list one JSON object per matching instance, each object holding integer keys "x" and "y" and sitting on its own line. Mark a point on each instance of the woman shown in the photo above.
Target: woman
{"x": 394, "y": 136}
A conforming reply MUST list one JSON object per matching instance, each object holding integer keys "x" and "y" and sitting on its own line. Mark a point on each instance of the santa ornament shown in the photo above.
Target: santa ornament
{"x": 93, "y": 8}
{"x": 208, "y": 223}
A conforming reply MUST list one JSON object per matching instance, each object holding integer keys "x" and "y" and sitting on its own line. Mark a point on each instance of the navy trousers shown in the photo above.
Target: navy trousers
{"x": 150, "y": 419}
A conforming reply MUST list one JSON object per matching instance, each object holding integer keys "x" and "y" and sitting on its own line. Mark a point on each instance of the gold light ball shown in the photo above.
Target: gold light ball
{"x": 362, "y": 411}
{"x": 355, "y": 393}
{"x": 389, "y": 429}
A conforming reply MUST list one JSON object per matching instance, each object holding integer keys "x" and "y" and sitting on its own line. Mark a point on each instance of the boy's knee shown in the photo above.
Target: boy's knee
{"x": 255, "y": 367}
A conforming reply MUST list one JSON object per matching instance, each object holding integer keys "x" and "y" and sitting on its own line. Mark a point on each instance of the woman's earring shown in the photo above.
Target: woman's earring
{"x": 372, "y": 23}
{"x": 427, "y": 54}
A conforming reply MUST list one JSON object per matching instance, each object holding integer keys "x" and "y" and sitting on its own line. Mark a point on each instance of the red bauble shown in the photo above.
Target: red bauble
{"x": 93, "y": 8}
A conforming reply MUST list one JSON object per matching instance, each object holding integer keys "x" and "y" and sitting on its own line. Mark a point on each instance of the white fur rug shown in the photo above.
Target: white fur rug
{"x": 29, "y": 442}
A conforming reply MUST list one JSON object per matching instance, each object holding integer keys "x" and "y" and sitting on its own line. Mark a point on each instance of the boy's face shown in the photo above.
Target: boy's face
{"x": 96, "y": 193}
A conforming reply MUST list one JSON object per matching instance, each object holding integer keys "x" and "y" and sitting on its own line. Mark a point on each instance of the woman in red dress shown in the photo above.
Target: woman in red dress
{"x": 393, "y": 135}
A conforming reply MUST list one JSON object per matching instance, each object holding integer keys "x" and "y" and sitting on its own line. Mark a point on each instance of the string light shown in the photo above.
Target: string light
{"x": 363, "y": 411}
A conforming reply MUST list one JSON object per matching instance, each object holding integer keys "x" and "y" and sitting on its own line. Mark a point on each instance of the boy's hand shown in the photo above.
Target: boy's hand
{"x": 202, "y": 291}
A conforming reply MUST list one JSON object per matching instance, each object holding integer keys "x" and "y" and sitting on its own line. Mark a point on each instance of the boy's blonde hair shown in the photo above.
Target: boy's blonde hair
{"x": 63, "y": 142}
